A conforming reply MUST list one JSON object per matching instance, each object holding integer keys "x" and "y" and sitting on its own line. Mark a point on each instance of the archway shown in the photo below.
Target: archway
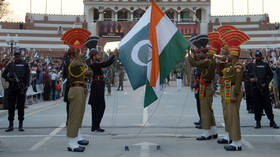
{"x": 123, "y": 15}
{"x": 95, "y": 14}
{"x": 171, "y": 14}
{"x": 186, "y": 15}
{"x": 137, "y": 14}
{"x": 108, "y": 14}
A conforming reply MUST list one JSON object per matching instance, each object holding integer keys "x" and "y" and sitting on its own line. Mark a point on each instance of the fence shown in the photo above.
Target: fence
{"x": 31, "y": 96}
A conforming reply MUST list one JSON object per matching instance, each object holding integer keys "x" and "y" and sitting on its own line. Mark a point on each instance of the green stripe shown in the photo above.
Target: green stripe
{"x": 171, "y": 55}
{"x": 150, "y": 95}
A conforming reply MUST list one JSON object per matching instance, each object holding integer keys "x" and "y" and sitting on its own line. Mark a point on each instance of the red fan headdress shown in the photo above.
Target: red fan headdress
{"x": 76, "y": 37}
{"x": 234, "y": 39}
{"x": 215, "y": 42}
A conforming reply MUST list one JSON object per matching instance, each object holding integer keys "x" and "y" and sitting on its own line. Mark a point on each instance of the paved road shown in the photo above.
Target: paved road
{"x": 170, "y": 126}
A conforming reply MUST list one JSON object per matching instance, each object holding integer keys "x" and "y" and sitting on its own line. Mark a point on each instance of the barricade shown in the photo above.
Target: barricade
{"x": 34, "y": 97}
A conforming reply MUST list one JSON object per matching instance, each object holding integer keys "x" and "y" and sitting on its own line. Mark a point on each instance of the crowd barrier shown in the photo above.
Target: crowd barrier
{"x": 33, "y": 97}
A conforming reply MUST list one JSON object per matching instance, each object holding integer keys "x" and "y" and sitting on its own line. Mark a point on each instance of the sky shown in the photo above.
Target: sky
{"x": 75, "y": 7}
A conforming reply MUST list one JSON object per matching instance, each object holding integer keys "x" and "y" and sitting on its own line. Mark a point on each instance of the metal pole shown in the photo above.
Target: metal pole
{"x": 46, "y": 7}
{"x": 30, "y": 6}
{"x": 60, "y": 6}
{"x": 248, "y": 7}
{"x": 12, "y": 47}
{"x": 232, "y": 7}
{"x": 262, "y": 6}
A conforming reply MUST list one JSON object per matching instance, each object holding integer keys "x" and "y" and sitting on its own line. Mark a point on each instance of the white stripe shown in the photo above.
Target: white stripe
{"x": 144, "y": 20}
{"x": 165, "y": 30}
{"x": 28, "y": 38}
{"x": 27, "y": 31}
{"x": 247, "y": 144}
{"x": 56, "y": 25}
{"x": 46, "y": 46}
{"x": 53, "y": 133}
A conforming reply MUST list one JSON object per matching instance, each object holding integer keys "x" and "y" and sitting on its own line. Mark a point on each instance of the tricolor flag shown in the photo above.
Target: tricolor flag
{"x": 151, "y": 50}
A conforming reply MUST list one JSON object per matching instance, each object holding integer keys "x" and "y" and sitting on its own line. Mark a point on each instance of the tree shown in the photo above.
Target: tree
{"x": 5, "y": 12}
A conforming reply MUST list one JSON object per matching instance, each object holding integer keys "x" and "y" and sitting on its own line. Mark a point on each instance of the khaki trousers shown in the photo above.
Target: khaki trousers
{"x": 207, "y": 115}
{"x": 225, "y": 110}
{"x": 77, "y": 99}
{"x": 233, "y": 117}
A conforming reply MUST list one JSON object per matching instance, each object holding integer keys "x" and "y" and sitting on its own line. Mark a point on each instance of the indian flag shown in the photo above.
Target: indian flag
{"x": 165, "y": 48}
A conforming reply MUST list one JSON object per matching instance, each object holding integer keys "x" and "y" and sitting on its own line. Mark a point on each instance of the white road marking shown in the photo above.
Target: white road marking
{"x": 131, "y": 135}
{"x": 247, "y": 144}
{"x": 52, "y": 134}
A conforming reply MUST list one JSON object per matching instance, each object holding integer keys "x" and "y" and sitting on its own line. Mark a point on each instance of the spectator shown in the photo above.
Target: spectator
{"x": 47, "y": 85}
{"x": 53, "y": 83}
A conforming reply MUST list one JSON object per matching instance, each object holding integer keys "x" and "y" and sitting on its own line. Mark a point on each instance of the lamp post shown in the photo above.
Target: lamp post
{"x": 12, "y": 41}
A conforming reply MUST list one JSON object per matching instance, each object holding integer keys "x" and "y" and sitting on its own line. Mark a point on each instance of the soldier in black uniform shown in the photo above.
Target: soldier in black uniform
{"x": 96, "y": 99}
{"x": 260, "y": 82}
{"x": 248, "y": 73}
{"x": 197, "y": 73}
{"x": 17, "y": 73}
{"x": 65, "y": 74}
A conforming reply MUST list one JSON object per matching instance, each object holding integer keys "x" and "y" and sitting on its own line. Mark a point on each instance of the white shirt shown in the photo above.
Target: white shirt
{"x": 53, "y": 76}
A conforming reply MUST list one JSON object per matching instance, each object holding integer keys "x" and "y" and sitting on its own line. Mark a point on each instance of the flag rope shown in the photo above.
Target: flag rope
{"x": 151, "y": 115}
{"x": 181, "y": 115}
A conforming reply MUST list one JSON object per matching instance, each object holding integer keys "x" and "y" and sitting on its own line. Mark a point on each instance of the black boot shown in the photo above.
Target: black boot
{"x": 273, "y": 124}
{"x": 11, "y": 126}
{"x": 20, "y": 126}
{"x": 258, "y": 125}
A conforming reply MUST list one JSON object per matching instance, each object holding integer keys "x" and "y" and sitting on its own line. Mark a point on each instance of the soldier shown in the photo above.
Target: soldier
{"x": 233, "y": 76}
{"x": 17, "y": 73}
{"x": 78, "y": 75}
{"x": 248, "y": 73}
{"x": 96, "y": 99}
{"x": 260, "y": 84}
{"x": 206, "y": 92}
{"x": 197, "y": 73}
{"x": 218, "y": 47}
{"x": 121, "y": 78}
{"x": 65, "y": 74}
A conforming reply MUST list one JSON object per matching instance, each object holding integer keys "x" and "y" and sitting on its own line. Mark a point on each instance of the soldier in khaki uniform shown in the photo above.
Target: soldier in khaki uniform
{"x": 78, "y": 75}
{"x": 207, "y": 65}
{"x": 233, "y": 76}
{"x": 216, "y": 45}
{"x": 222, "y": 62}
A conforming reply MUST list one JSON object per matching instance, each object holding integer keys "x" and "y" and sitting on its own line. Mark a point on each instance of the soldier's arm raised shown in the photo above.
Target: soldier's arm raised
{"x": 200, "y": 64}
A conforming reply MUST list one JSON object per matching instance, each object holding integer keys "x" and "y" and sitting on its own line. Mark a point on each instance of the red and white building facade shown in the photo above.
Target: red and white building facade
{"x": 112, "y": 19}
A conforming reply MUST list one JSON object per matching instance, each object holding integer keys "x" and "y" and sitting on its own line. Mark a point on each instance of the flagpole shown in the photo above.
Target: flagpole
{"x": 60, "y": 6}
{"x": 247, "y": 7}
{"x": 46, "y": 7}
{"x": 262, "y": 6}
{"x": 232, "y": 7}
{"x": 30, "y": 6}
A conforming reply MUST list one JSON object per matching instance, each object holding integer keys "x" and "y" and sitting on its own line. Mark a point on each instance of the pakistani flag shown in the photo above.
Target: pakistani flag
{"x": 151, "y": 50}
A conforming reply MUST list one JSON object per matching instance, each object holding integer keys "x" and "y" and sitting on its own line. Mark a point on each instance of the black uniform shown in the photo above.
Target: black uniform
{"x": 248, "y": 73}
{"x": 67, "y": 84}
{"x": 18, "y": 76}
{"x": 264, "y": 75}
{"x": 96, "y": 99}
{"x": 197, "y": 73}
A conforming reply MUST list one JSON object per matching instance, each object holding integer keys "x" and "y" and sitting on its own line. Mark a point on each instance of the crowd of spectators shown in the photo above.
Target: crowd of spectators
{"x": 44, "y": 71}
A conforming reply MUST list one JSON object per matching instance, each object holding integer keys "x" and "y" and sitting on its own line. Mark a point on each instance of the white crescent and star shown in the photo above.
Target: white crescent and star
{"x": 135, "y": 51}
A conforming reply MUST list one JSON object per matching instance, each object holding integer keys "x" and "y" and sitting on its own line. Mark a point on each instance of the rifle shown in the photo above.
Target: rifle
{"x": 13, "y": 76}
